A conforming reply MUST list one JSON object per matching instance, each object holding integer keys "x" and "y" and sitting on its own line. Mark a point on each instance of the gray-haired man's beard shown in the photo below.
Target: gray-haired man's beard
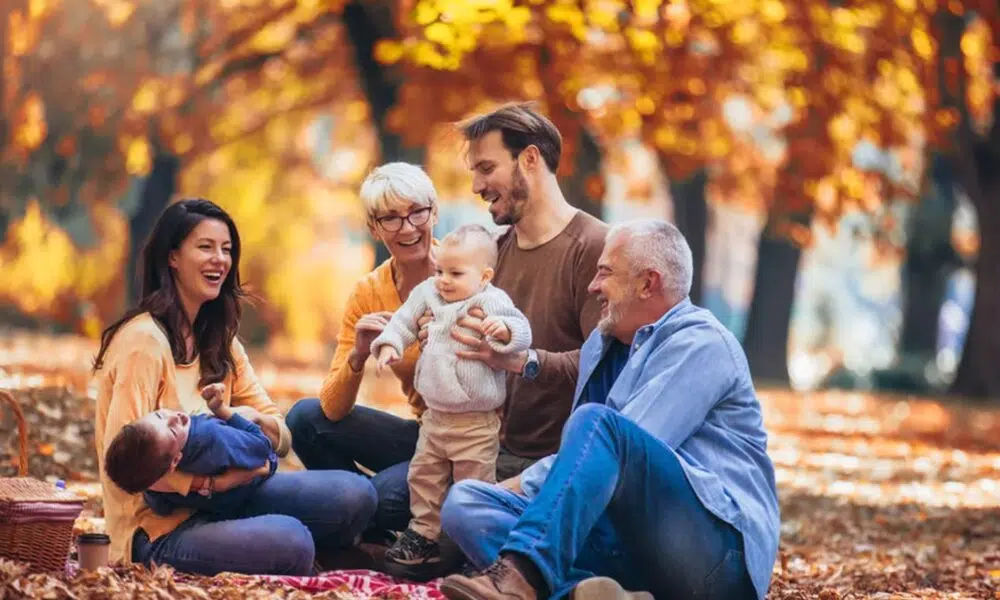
{"x": 614, "y": 316}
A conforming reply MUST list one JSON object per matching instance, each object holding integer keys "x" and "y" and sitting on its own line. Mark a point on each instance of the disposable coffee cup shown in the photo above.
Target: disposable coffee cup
{"x": 92, "y": 550}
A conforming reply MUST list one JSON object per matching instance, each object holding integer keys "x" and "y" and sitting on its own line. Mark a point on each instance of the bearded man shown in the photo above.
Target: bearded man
{"x": 546, "y": 258}
{"x": 662, "y": 481}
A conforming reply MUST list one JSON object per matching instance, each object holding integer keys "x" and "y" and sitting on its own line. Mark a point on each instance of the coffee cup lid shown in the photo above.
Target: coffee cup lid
{"x": 93, "y": 538}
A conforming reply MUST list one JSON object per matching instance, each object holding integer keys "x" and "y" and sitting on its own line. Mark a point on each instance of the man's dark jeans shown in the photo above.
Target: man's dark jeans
{"x": 378, "y": 441}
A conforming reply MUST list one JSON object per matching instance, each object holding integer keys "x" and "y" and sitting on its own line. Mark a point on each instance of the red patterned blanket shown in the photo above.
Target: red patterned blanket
{"x": 361, "y": 584}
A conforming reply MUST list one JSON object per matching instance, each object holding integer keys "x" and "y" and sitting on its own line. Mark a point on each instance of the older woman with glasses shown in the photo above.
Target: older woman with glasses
{"x": 331, "y": 432}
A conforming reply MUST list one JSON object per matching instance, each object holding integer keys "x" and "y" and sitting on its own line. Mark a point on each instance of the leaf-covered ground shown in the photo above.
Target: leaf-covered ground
{"x": 881, "y": 497}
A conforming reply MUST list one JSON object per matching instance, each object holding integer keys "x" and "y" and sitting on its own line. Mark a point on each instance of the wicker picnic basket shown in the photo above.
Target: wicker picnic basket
{"x": 36, "y": 518}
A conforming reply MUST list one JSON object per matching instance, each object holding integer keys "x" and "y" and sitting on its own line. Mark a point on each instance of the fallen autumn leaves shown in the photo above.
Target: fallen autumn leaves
{"x": 136, "y": 582}
{"x": 881, "y": 497}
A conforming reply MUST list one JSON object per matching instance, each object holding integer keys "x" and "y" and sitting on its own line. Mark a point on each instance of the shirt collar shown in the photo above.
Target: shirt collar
{"x": 647, "y": 330}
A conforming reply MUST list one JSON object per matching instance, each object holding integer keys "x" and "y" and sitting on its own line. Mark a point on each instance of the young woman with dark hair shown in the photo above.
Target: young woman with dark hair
{"x": 180, "y": 338}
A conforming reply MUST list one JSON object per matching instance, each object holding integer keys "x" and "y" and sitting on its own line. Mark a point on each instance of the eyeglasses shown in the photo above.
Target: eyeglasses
{"x": 394, "y": 223}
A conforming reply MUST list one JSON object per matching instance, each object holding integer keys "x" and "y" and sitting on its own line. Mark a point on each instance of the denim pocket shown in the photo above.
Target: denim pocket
{"x": 729, "y": 579}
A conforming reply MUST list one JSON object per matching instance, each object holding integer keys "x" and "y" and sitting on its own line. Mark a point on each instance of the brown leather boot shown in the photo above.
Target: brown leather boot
{"x": 605, "y": 588}
{"x": 500, "y": 581}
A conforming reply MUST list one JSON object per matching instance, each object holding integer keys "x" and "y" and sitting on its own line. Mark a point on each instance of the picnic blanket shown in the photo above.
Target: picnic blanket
{"x": 361, "y": 584}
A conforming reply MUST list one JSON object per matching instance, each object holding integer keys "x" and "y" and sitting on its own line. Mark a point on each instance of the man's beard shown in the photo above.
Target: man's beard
{"x": 616, "y": 310}
{"x": 517, "y": 197}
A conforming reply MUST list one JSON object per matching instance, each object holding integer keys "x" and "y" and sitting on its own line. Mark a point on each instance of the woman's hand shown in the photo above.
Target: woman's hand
{"x": 366, "y": 330}
{"x": 234, "y": 478}
{"x": 247, "y": 412}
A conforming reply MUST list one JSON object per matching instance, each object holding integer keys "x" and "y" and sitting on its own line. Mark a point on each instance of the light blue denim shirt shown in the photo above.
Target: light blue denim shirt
{"x": 687, "y": 383}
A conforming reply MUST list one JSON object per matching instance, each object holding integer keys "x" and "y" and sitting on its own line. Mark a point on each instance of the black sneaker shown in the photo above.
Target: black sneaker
{"x": 415, "y": 557}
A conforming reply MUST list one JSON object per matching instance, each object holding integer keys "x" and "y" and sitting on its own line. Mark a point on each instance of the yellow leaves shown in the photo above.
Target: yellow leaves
{"x": 146, "y": 98}
{"x": 117, "y": 12}
{"x": 923, "y": 44}
{"x": 425, "y": 13}
{"x": 36, "y": 262}
{"x": 842, "y": 128}
{"x": 645, "y": 105}
{"x": 517, "y": 20}
{"x": 646, "y": 10}
{"x": 31, "y": 129}
{"x": 745, "y": 32}
{"x": 39, "y": 8}
{"x": 357, "y": 111}
{"x": 975, "y": 41}
{"x": 440, "y": 33}
{"x": 643, "y": 41}
{"x": 183, "y": 143}
{"x": 274, "y": 36}
{"x": 797, "y": 96}
{"x": 907, "y": 6}
{"x": 388, "y": 52}
{"x": 773, "y": 11}
{"x": 569, "y": 15}
{"x": 23, "y": 33}
{"x": 138, "y": 156}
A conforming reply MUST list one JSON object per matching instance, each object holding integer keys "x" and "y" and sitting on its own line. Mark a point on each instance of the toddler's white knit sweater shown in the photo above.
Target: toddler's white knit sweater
{"x": 446, "y": 382}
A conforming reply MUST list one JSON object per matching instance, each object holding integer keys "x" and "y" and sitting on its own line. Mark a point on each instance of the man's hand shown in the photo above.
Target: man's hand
{"x": 513, "y": 484}
{"x": 386, "y": 356}
{"x": 479, "y": 349}
{"x": 495, "y": 328}
{"x": 422, "y": 322}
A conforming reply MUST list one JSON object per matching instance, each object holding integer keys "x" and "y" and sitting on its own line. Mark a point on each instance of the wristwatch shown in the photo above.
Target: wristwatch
{"x": 531, "y": 366}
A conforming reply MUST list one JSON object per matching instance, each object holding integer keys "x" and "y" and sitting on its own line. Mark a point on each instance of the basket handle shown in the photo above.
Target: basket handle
{"x": 22, "y": 432}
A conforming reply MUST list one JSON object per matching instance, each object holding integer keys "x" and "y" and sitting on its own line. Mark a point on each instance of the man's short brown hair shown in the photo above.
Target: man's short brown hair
{"x": 133, "y": 460}
{"x": 520, "y": 126}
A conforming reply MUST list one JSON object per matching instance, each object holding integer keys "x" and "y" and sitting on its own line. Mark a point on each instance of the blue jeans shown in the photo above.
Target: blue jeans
{"x": 277, "y": 532}
{"x": 378, "y": 441}
{"x": 616, "y": 503}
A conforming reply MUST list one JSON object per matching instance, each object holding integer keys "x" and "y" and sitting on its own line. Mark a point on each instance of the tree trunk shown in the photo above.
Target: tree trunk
{"x": 579, "y": 186}
{"x": 930, "y": 261}
{"x": 769, "y": 318}
{"x": 691, "y": 218}
{"x": 978, "y": 375}
{"x": 366, "y": 24}
{"x": 157, "y": 190}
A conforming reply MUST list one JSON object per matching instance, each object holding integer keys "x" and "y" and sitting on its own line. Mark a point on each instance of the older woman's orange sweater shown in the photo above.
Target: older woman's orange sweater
{"x": 139, "y": 376}
{"x": 375, "y": 292}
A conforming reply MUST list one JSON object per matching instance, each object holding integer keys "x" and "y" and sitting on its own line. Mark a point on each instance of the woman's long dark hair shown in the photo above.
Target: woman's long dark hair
{"x": 218, "y": 320}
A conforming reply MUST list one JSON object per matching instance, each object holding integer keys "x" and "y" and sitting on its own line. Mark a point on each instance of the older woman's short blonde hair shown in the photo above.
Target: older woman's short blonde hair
{"x": 395, "y": 186}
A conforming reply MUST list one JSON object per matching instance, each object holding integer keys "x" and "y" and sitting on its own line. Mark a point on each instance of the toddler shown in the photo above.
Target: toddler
{"x": 459, "y": 432}
{"x": 160, "y": 442}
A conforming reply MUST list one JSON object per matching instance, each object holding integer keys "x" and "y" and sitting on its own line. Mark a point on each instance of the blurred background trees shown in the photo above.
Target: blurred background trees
{"x": 823, "y": 158}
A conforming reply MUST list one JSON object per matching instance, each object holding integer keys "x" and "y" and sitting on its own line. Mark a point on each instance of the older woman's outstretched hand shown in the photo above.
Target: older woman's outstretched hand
{"x": 366, "y": 330}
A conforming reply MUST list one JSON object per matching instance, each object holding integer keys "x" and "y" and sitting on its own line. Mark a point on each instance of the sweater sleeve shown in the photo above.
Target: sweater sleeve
{"x": 496, "y": 303}
{"x": 138, "y": 373}
{"x": 340, "y": 387}
{"x": 244, "y": 443}
{"x": 247, "y": 391}
{"x": 402, "y": 328}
